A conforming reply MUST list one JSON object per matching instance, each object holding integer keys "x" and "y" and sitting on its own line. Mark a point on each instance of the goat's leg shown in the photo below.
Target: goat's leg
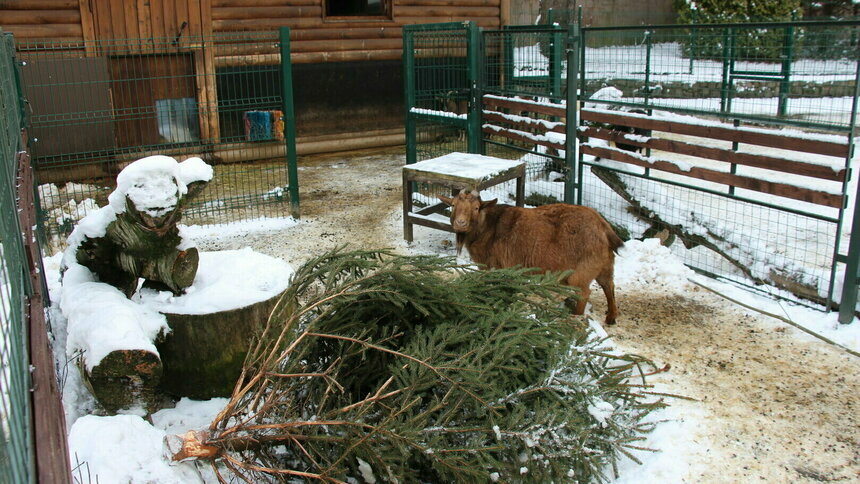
{"x": 584, "y": 293}
{"x": 608, "y": 285}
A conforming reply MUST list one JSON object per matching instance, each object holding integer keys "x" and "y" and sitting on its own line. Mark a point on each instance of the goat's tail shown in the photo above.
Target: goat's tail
{"x": 614, "y": 240}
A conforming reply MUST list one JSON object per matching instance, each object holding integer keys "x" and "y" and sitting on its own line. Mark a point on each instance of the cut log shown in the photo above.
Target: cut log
{"x": 203, "y": 353}
{"x": 126, "y": 379}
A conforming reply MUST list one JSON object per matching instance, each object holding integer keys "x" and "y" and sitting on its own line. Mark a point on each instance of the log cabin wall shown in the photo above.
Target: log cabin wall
{"x": 347, "y": 68}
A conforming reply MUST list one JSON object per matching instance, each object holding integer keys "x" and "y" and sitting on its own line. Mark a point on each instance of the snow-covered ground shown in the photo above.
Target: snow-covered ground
{"x": 127, "y": 448}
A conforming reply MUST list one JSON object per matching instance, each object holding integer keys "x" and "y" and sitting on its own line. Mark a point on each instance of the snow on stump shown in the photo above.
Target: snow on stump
{"x": 186, "y": 330}
{"x": 111, "y": 338}
{"x": 136, "y": 235}
{"x": 212, "y": 325}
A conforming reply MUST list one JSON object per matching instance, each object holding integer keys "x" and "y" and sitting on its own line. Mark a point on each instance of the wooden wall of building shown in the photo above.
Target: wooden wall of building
{"x": 315, "y": 38}
{"x": 42, "y": 19}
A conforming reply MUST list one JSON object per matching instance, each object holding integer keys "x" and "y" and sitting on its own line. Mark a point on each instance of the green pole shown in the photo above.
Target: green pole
{"x": 694, "y": 19}
{"x": 555, "y": 64}
{"x": 647, "y": 66}
{"x": 785, "y": 84}
{"x": 409, "y": 94}
{"x": 724, "y": 87}
{"x": 848, "y": 302}
{"x": 508, "y": 39}
{"x": 473, "y": 49}
{"x": 571, "y": 151}
{"x": 289, "y": 121}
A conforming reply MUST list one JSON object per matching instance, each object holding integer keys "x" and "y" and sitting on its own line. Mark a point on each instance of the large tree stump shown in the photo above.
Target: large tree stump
{"x": 203, "y": 354}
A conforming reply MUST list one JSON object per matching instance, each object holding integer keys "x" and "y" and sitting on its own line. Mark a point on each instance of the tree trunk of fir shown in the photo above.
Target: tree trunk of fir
{"x": 203, "y": 354}
{"x": 776, "y": 277}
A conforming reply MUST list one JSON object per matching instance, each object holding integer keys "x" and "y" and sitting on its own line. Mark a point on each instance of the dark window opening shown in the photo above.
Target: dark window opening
{"x": 356, "y": 8}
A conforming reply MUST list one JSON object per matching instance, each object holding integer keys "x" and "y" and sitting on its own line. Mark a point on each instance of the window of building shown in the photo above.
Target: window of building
{"x": 358, "y": 8}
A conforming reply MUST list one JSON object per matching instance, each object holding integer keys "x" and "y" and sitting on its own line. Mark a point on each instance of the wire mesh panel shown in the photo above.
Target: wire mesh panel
{"x": 794, "y": 73}
{"x": 439, "y": 87}
{"x": 97, "y": 106}
{"x": 523, "y": 74}
{"x": 16, "y": 442}
{"x": 687, "y": 93}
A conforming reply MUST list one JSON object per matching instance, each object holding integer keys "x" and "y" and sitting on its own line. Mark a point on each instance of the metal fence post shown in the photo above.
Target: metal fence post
{"x": 785, "y": 71}
{"x": 555, "y": 63}
{"x": 409, "y": 94}
{"x": 693, "y": 37}
{"x": 289, "y": 121}
{"x": 571, "y": 152}
{"x": 647, "y": 89}
{"x": 724, "y": 86}
{"x": 848, "y": 302}
{"x": 473, "y": 58}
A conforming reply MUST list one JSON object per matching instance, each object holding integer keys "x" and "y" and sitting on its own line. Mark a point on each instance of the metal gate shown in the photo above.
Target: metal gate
{"x": 441, "y": 76}
{"x": 782, "y": 222}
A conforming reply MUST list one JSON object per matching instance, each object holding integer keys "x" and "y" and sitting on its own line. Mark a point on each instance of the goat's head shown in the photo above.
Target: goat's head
{"x": 466, "y": 210}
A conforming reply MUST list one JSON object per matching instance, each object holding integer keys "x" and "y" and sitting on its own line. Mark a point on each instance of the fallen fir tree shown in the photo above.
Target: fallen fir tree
{"x": 413, "y": 369}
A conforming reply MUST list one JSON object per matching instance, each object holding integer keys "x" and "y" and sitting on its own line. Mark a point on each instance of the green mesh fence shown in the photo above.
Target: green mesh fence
{"x": 436, "y": 72}
{"x": 527, "y": 63}
{"x": 799, "y": 75}
{"x": 16, "y": 442}
{"x": 97, "y": 106}
{"x": 794, "y": 73}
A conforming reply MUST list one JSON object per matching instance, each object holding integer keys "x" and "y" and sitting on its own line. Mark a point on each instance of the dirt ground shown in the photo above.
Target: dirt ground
{"x": 776, "y": 405}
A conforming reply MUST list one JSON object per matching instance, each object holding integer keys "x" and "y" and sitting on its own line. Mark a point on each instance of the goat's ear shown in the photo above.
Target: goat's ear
{"x": 488, "y": 203}
{"x": 446, "y": 200}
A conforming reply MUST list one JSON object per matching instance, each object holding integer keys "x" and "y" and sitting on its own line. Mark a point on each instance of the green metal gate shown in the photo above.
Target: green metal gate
{"x": 441, "y": 75}
{"x": 745, "y": 76}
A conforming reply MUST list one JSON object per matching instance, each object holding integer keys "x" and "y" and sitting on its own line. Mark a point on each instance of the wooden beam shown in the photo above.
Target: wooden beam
{"x": 526, "y": 124}
{"x": 256, "y": 13}
{"x": 53, "y": 31}
{"x": 48, "y": 417}
{"x": 351, "y": 33}
{"x": 462, "y": 12}
{"x": 38, "y": 17}
{"x": 260, "y": 3}
{"x": 346, "y": 56}
{"x": 520, "y": 106}
{"x": 513, "y": 135}
{"x": 454, "y": 3}
{"x": 88, "y": 29}
{"x": 346, "y": 44}
{"x": 39, "y": 4}
{"x": 746, "y": 159}
{"x": 505, "y": 12}
{"x": 729, "y": 179}
{"x": 727, "y": 133}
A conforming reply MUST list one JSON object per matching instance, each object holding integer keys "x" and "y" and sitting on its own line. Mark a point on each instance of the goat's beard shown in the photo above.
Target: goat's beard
{"x": 461, "y": 241}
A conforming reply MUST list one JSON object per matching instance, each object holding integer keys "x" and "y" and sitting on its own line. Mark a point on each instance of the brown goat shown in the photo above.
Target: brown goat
{"x": 557, "y": 237}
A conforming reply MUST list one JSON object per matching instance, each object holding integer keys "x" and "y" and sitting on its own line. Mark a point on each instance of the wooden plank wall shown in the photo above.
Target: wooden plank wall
{"x": 315, "y": 38}
{"x": 42, "y": 19}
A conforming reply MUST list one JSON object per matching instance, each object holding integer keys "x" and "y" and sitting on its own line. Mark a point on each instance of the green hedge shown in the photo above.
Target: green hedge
{"x": 754, "y": 44}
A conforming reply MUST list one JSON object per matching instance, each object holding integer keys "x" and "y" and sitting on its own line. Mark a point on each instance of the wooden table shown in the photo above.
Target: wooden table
{"x": 457, "y": 171}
